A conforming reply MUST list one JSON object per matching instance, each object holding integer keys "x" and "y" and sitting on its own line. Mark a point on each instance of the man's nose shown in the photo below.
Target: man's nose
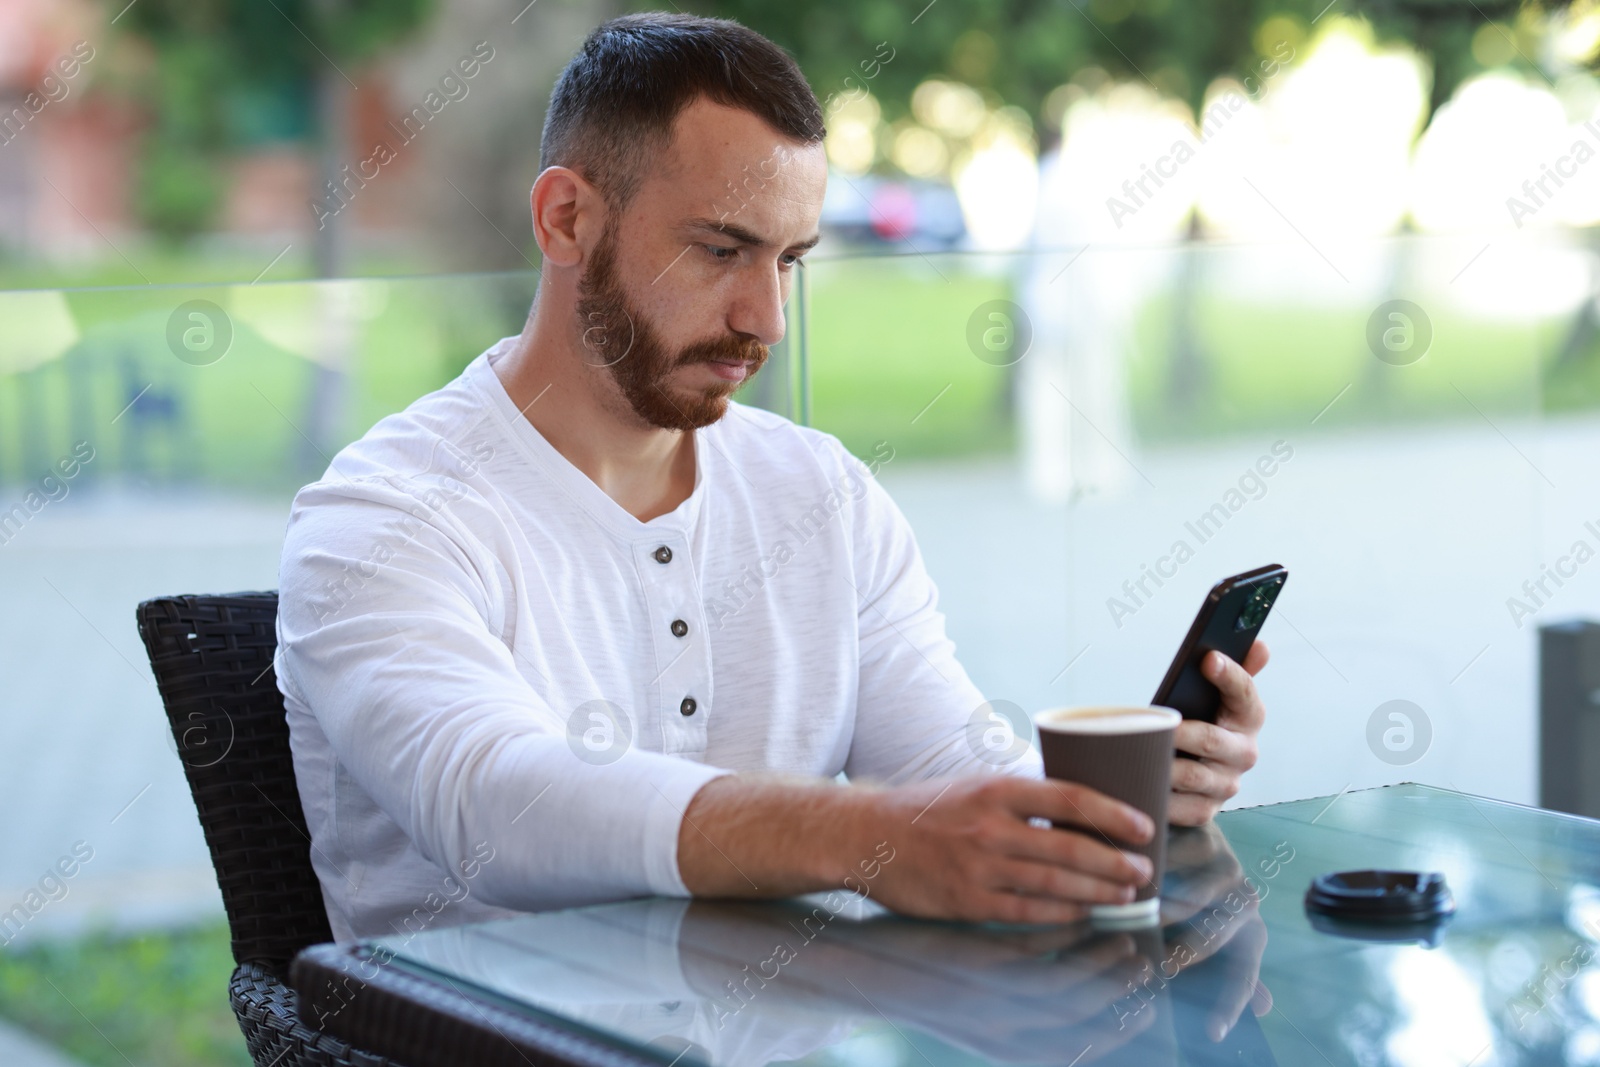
{"x": 759, "y": 311}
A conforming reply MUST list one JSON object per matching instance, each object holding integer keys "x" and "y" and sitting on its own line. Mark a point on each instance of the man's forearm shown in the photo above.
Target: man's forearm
{"x": 961, "y": 848}
{"x": 761, "y": 836}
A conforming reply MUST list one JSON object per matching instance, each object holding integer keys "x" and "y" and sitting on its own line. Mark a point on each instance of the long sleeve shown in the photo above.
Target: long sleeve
{"x": 918, "y": 714}
{"x": 390, "y": 618}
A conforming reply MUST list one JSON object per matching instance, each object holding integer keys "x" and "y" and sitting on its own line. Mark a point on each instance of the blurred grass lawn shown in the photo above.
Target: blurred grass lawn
{"x": 159, "y": 1000}
{"x": 889, "y": 336}
{"x": 888, "y": 339}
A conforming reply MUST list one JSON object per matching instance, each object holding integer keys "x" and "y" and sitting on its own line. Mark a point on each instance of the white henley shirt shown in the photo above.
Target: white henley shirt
{"x": 484, "y": 655}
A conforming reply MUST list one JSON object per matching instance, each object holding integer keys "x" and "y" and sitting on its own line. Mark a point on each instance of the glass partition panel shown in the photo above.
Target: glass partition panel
{"x": 1086, "y": 439}
{"x": 151, "y": 441}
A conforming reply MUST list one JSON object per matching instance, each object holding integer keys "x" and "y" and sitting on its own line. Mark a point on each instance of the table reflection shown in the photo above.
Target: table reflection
{"x": 820, "y": 979}
{"x": 1513, "y": 979}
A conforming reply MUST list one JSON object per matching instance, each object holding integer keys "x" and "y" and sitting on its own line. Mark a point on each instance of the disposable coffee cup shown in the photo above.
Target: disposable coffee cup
{"x": 1125, "y": 753}
{"x": 1146, "y": 1008}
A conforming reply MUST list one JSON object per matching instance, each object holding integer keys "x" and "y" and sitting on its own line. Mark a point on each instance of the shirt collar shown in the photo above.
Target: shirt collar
{"x": 578, "y": 485}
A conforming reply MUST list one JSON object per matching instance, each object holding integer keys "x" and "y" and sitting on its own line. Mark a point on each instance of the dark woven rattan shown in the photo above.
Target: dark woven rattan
{"x": 212, "y": 657}
{"x": 379, "y": 1002}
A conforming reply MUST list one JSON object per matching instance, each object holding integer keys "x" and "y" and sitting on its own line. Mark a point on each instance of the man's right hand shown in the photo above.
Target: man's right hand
{"x": 965, "y": 849}
{"x": 961, "y": 848}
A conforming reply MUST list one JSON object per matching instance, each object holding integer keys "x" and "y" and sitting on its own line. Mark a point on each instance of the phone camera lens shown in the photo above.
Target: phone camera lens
{"x": 1256, "y": 608}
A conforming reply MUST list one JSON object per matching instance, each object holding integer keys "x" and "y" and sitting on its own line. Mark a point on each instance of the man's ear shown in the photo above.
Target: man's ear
{"x": 568, "y": 216}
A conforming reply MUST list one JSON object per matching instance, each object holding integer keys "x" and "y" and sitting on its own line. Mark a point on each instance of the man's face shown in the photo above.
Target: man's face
{"x": 684, "y": 292}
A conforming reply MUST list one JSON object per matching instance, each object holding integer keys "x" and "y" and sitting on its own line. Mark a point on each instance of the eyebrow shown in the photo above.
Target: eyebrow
{"x": 746, "y": 236}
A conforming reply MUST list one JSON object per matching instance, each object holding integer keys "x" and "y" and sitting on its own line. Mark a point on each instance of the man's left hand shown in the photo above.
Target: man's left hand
{"x": 1201, "y": 786}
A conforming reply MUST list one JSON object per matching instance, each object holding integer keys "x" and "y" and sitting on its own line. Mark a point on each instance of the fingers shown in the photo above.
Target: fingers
{"x": 1217, "y": 744}
{"x": 1261, "y": 1000}
{"x": 1226, "y": 749}
{"x": 1215, "y": 781}
{"x": 1191, "y": 809}
{"x": 1241, "y": 705}
{"x": 1076, "y": 986}
{"x": 1071, "y": 946}
{"x": 1078, "y": 852}
{"x": 1112, "y": 1029}
{"x": 1061, "y": 884}
{"x": 1064, "y": 973}
{"x": 1239, "y": 987}
{"x": 1189, "y": 897}
{"x": 1078, "y": 805}
{"x": 1002, "y": 906}
{"x": 1203, "y": 850}
{"x": 1227, "y": 1011}
{"x": 1222, "y": 927}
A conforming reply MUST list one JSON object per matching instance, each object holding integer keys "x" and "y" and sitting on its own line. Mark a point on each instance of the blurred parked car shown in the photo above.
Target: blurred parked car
{"x": 873, "y": 210}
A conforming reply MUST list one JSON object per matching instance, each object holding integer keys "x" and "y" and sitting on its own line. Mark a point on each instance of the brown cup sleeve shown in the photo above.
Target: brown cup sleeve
{"x": 1135, "y": 768}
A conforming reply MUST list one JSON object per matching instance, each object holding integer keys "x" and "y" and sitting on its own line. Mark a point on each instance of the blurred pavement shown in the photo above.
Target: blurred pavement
{"x": 21, "y": 1049}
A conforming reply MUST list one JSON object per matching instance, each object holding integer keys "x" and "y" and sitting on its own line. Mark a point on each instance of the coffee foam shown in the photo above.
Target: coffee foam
{"x": 1107, "y": 720}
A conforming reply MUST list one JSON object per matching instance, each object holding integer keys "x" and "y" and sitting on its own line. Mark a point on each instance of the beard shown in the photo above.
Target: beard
{"x": 618, "y": 337}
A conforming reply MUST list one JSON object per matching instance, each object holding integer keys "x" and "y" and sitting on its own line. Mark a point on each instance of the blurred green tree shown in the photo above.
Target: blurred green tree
{"x": 1022, "y": 49}
{"x": 228, "y": 73}
{"x": 1018, "y": 52}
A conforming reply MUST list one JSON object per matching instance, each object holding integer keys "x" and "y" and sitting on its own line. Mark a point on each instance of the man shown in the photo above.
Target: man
{"x": 576, "y": 627}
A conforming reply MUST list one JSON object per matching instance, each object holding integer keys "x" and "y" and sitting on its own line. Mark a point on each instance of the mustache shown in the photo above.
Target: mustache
{"x": 724, "y": 350}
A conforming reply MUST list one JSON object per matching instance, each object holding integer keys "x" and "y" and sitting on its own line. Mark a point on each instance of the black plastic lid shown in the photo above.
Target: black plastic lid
{"x": 1381, "y": 896}
{"x": 1428, "y": 934}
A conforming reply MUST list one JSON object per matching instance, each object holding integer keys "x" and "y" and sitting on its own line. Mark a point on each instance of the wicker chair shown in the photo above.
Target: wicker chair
{"x": 212, "y": 657}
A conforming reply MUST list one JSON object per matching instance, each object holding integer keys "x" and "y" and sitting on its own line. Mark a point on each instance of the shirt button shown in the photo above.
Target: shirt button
{"x": 687, "y": 707}
{"x": 663, "y": 554}
{"x": 679, "y": 627}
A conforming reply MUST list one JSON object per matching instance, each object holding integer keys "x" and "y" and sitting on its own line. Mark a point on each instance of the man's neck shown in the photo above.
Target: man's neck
{"x": 648, "y": 471}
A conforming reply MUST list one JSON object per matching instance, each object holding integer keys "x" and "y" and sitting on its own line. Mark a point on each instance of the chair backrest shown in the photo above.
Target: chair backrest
{"x": 212, "y": 657}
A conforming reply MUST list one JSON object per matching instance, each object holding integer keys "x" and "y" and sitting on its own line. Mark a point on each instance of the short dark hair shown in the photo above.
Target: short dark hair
{"x": 613, "y": 106}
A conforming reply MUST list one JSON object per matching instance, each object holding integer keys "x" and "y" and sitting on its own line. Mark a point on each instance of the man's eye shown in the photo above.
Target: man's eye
{"x": 789, "y": 259}
{"x": 722, "y": 254}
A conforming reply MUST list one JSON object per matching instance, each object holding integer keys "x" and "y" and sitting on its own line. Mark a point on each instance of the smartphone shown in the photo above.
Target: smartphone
{"x": 1227, "y": 622}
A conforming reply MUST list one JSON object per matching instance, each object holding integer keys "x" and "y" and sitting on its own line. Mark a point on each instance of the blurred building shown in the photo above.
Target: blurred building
{"x": 64, "y": 152}
{"x": 446, "y": 157}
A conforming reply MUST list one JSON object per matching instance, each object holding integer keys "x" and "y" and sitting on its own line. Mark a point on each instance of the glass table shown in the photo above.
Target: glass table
{"x": 1236, "y": 973}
